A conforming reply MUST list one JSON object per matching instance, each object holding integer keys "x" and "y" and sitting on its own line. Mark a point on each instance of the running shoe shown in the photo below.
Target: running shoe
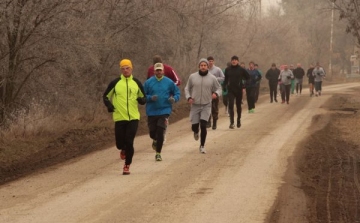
{"x": 275, "y": 100}
{"x": 196, "y": 136}
{"x": 158, "y": 157}
{"x": 238, "y": 124}
{"x": 252, "y": 110}
{"x": 122, "y": 155}
{"x": 232, "y": 126}
{"x": 126, "y": 170}
{"x": 202, "y": 149}
{"x": 154, "y": 145}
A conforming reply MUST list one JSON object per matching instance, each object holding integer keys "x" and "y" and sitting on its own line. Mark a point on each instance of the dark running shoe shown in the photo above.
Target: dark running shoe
{"x": 238, "y": 124}
{"x": 232, "y": 126}
{"x": 126, "y": 170}
{"x": 196, "y": 136}
{"x": 158, "y": 157}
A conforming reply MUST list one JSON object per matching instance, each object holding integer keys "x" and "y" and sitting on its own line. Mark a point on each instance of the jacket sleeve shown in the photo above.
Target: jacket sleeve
{"x": 188, "y": 88}
{"x": 141, "y": 95}
{"x": 109, "y": 93}
{"x": 176, "y": 92}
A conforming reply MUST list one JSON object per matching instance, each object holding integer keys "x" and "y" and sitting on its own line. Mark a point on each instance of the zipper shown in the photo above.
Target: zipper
{"x": 127, "y": 97}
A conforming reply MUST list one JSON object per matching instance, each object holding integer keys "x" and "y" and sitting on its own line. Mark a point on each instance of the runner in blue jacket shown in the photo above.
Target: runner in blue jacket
{"x": 161, "y": 92}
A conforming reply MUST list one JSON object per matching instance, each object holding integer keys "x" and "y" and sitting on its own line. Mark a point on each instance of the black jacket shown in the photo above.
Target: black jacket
{"x": 299, "y": 73}
{"x": 272, "y": 75}
{"x": 235, "y": 78}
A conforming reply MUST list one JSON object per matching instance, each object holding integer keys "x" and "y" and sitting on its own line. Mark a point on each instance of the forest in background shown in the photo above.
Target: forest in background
{"x": 58, "y": 56}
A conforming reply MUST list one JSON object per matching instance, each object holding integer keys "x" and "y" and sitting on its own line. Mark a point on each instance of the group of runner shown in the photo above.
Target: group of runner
{"x": 202, "y": 91}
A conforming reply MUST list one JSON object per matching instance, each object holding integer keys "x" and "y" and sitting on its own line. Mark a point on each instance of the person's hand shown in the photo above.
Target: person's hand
{"x": 154, "y": 97}
{"x": 110, "y": 108}
{"x": 190, "y": 100}
{"x": 141, "y": 101}
{"x": 213, "y": 96}
{"x": 171, "y": 100}
{"x": 288, "y": 77}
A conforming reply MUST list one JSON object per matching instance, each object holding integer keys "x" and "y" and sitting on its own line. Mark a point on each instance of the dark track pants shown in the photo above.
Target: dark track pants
{"x": 125, "y": 132}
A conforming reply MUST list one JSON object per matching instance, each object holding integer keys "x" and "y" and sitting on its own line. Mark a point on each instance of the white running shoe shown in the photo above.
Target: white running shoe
{"x": 202, "y": 149}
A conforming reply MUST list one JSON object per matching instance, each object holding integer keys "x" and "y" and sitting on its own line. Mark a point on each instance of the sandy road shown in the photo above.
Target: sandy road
{"x": 237, "y": 181}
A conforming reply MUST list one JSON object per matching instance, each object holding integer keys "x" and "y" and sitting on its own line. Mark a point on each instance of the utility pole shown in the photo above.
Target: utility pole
{"x": 331, "y": 38}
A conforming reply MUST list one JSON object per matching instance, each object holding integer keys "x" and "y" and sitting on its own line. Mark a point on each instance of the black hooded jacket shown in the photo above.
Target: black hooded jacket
{"x": 235, "y": 77}
{"x": 273, "y": 76}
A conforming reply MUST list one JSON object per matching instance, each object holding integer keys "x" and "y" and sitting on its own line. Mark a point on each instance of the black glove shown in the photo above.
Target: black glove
{"x": 141, "y": 101}
{"x": 110, "y": 108}
{"x": 288, "y": 77}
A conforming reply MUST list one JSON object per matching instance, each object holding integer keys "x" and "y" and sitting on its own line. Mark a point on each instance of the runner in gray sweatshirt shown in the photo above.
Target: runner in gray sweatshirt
{"x": 201, "y": 88}
{"x": 319, "y": 74}
{"x": 217, "y": 72}
{"x": 285, "y": 78}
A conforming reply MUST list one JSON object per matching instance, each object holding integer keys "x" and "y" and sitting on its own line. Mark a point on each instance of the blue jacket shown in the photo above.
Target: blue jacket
{"x": 255, "y": 76}
{"x": 163, "y": 88}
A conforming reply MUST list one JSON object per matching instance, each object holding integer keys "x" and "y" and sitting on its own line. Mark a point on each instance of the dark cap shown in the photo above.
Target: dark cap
{"x": 235, "y": 58}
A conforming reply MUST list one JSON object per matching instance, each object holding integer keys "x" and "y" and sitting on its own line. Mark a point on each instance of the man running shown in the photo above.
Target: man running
{"x": 201, "y": 88}
{"x": 311, "y": 78}
{"x": 235, "y": 76}
{"x": 273, "y": 75}
{"x": 285, "y": 77}
{"x": 121, "y": 98}
{"x": 319, "y": 74}
{"x": 299, "y": 73}
{"x": 251, "y": 84}
{"x": 161, "y": 92}
{"x": 218, "y": 73}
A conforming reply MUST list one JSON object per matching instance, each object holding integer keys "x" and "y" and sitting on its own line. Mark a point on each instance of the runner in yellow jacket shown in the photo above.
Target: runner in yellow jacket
{"x": 121, "y": 98}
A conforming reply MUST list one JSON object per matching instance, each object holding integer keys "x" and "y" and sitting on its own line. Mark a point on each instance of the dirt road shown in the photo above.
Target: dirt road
{"x": 236, "y": 181}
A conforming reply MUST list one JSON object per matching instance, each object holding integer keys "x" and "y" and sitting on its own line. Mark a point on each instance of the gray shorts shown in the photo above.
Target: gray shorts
{"x": 198, "y": 112}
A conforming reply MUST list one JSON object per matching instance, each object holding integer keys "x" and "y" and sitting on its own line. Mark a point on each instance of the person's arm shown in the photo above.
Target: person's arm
{"x": 176, "y": 93}
{"x": 187, "y": 89}
{"x": 141, "y": 94}
{"x": 221, "y": 76}
{"x": 108, "y": 95}
{"x": 170, "y": 73}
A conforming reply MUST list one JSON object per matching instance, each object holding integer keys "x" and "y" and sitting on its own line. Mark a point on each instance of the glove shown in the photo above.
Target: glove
{"x": 110, "y": 108}
{"x": 141, "y": 101}
{"x": 154, "y": 97}
{"x": 171, "y": 100}
{"x": 288, "y": 77}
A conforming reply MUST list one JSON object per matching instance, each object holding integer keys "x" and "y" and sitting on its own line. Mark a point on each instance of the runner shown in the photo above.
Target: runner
{"x": 225, "y": 93}
{"x": 235, "y": 76}
{"x": 161, "y": 92}
{"x": 318, "y": 74}
{"x": 292, "y": 81}
{"x": 273, "y": 75}
{"x": 200, "y": 89}
{"x": 311, "y": 78}
{"x": 285, "y": 77}
{"x": 121, "y": 99}
{"x": 251, "y": 84}
{"x": 168, "y": 72}
{"x": 218, "y": 73}
{"x": 299, "y": 73}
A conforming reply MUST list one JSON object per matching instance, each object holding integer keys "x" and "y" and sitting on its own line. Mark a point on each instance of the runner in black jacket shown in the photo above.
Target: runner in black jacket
{"x": 234, "y": 81}
{"x": 273, "y": 75}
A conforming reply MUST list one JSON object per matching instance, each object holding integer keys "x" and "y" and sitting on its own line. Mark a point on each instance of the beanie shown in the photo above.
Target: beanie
{"x": 235, "y": 58}
{"x": 126, "y": 63}
{"x": 203, "y": 60}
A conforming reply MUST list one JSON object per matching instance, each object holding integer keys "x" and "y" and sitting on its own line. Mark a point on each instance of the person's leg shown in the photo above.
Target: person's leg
{"x": 287, "y": 93}
{"x": 316, "y": 88}
{"x": 215, "y": 112}
{"x": 271, "y": 92}
{"x": 282, "y": 91}
{"x": 292, "y": 86}
{"x": 161, "y": 125}
{"x": 257, "y": 92}
{"x": 320, "y": 87}
{"x": 231, "y": 97}
{"x": 275, "y": 86}
{"x": 120, "y": 139}
{"x": 249, "y": 98}
{"x": 203, "y": 132}
{"x": 238, "y": 109}
{"x": 131, "y": 129}
{"x": 297, "y": 88}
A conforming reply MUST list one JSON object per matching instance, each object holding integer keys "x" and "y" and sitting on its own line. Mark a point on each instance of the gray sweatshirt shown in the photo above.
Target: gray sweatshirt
{"x": 318, "y": 73}
{"x": 217, "y": 72}
{"x": 286, "y": 76}
{"x": 200, "y": 88}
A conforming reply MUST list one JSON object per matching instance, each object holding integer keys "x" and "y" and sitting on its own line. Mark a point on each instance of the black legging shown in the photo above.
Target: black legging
{"x": 125, "y": 132}
{"x": 250, "y": 96}
{"x": 195, "y": 129}
{"x": 237, "y": 96}
{"x": 273, "y": 91}
{"x": 285, "y": 92}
